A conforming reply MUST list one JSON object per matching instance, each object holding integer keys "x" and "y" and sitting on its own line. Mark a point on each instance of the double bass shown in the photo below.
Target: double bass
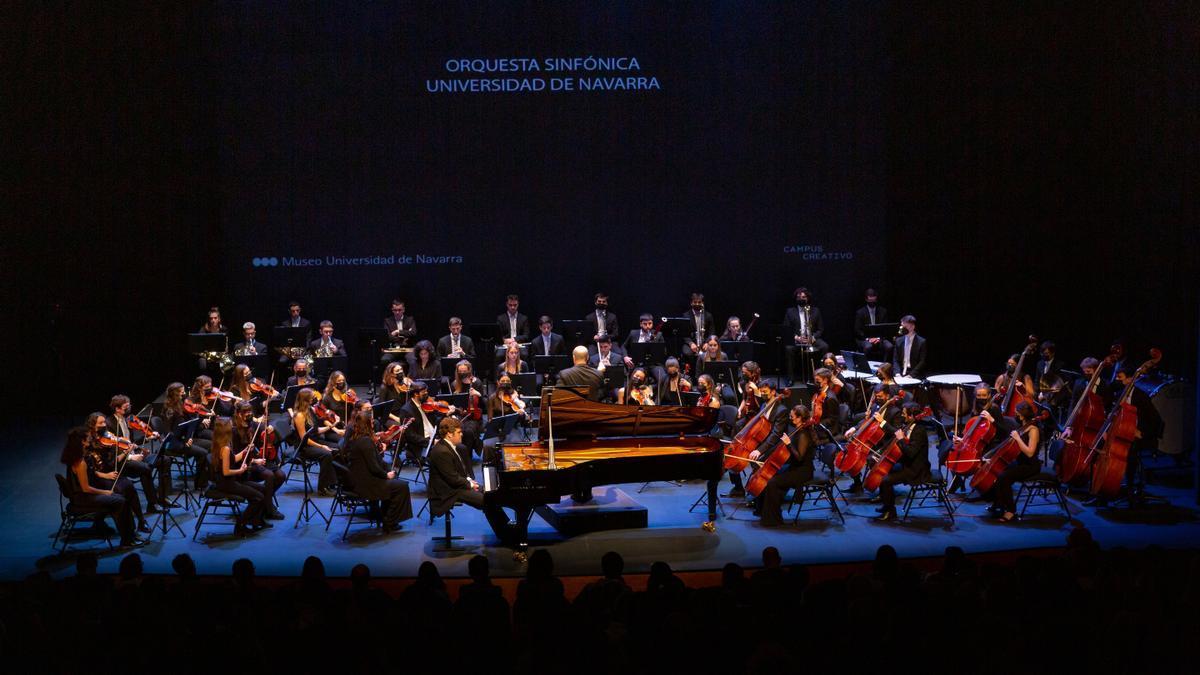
{"x": 888, "y": 458}
{"x": 1014, "y": 392}
{"x": 853, "y": 459}
{"x": 1111, "y": 451}
{"x": 737, "y": 455}
{"x": 1086, "y": 421}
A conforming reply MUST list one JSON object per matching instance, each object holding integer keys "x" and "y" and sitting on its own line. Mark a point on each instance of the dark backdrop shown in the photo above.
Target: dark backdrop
{"x": 1028, "y": 169}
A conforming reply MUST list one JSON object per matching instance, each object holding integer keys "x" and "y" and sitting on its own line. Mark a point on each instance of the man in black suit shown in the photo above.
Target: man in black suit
{"x": 135, "y": 469}
{"x": 909, "y": 359}
{"x": 512, "y": 326}
{"x": 807, "y": 327}
{"x": 603, "y": 321}
{"x": 876, "y": 348}
{"x": 546, "y": 342}
{"x": 294, "y": 319}
{"x": 417, "y": 435}
{"x": 643, "y": 333}
{"x": 913, "y": 467}
{"x": 249, "y": 346}
{"x": 703, "y": 325}
{"x": 401, "y": 329}
{"x": 327, "y": 345}
{"x": 581, "y": 374}
{"x": 450, "y": 481}
{"x": 456, "y": 344}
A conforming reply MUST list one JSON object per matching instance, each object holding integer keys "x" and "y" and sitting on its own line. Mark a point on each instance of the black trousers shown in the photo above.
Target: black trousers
{"x": 887, "y": 488}
{"x": 324, "y": 458}
{"x": 791, "y": 477}
{"x": 114, "y": 505}
{"x": 271, "y": 479}
{"x": 253, "y": 494}
{"x": 880, "y": 351}
{"x": 142, "y": 473}
{"x": 398, "y": 505}
{"x": 128, "y": 492}
{"x": 1002, "y": 492}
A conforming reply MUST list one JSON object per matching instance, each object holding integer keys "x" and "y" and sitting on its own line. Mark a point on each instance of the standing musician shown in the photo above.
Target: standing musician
{"x": 85, "y": 493}
{"x": 581, "y": 374}
{"x": 250, "y": 434}
{"x": 339, "y": 398}
{"x": 320, "y": 445}
{"x": 135, "y": 468}
{"x": 423, "y": 363}
{"x": 638, "y": 392}
{"x": 249, "y": 346}
{"x": 370, "y": 479}
{"x": 777, "y": 414}
{"x": 798, "y": 470}
{"x": 1120, "y": 357}
{"x": 327, "y": 345}
{"x": 231, "y": 469}
{"x": 603, "y": 321}
{"x": 875, "y": 348}
{"x": 196, "y": 447}
{"x": 300, "y": 375}
{"x": 512, "y": 364}
{"x": 733, "y": 331}
{"x": 1004, "y": 379}
{"x": 703, "y": 325}
{"x": 395, "y": 386}
{"x": 418, "y": 434}
{"x": 672, "y": 383}
{"x": 1048, "y": 364}
{"x": 807, "y": 327}
{"x": 455, "y": 344}
{"x": 546, "y": 342}
{"x": 909, "y": 357}
{"x": 913, "y": 465}
{"x": 1149, "y": 430}
{"x": 891, "y": 416}
{"x": 886, "y": 374}
{"x": 512, "y": 326}
{"x": 465, "y": 382}
{"x": 105, "y": 461}
{"x": 1088, "y": 368}
{"x": 1027, "y": 465}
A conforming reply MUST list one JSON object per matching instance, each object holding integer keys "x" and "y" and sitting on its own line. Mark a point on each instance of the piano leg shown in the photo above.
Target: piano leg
{"x": 514, "y": 532}
{"x": 712, "y": 501}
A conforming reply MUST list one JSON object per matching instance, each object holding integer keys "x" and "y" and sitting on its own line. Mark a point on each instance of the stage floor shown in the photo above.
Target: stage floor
{"x": 29, "y": 504}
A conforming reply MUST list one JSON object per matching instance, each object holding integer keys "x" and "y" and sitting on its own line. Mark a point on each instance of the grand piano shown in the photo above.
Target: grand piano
{"x": 582, "y": 444}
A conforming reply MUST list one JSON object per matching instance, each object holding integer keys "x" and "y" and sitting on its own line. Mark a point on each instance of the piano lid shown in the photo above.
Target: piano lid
{"x": 574, "y": 416}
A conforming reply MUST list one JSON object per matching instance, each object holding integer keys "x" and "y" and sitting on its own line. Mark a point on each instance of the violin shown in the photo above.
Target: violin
{"x": 852, "y": 460}
{"x": 325, "y": 414}
{"x": 474, "y": 411}
{"x": 350, "y": 397}
{"x": 263, "y": 388}
{"x": 888, "y": 458}
{"x": 775, "y": 461}
{"x": 433, "y": 405}
{"x": 269, "y": 449}
{"x": 642, "y": 395}
{"x": 384, "y": 438}
{"x": 138, "y": 424}
{"x": 513, "y": 401}
{"x": 193, "y": 408}
{"x": 109, "y": 440}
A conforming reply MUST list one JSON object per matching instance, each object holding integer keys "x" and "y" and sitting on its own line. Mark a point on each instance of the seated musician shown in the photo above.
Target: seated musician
{"x": 807, "y": 327}
{"x": 196, "y": 447}
{"x": 327, "y": 345}
{"x": 420, "y": 433}
{"x": 294, "y": 320}
{"x": 1027, "y": 464}
{"x": 455, "y": 344}
{"x": 909, "y": 356}
{"x": 212, "y": 325}
{"x": 239, "y": 383}
{"x": 369, "y": 478}
{"x": 703, "y": 325}
{"x": 711, "y": 351}
{"x": 401, "y": 328}
{"x": 423, "y": 363}
{"x": 886, "y": 374}
{"x": 512, "y": 326}
{"x": 777, "y": 413}
{"x": 320, "y": 445}
{"x": 672, "y": 384}
{"x": 712, "y": 395}
{"x": 84, "y": 491}
{"x": 230, "y": 467}
{"x": 644, "y": 333}
{"x": 512, "y": 364}
{"x": 546, "y": 342}
{"x": 581, "y": 374}
{"x": 605, "y": 354}
{"x": 450, "y": 480}
{"x": 871, "y": 313}
{"x": 880, "y": 395}
{"x": 1010, "y": 367}
{"x": 465, "y": 382}
{"x": 506, "y": 400}
{"x": 249, "y": 346}
{"x": 801, "y": 443}
{"x": 339, "y": 399}
{"x": 913, "y": 465}
{"x": 1146, "y": 435}
{"x": 136, "y": 468}
{"x": 300, "y": 375}
{"x": 832, "y": 392}
{"x": 733, "y": 331}
{"x": 638, "y": 392}
{"x": 104, "y": 463}
{"x": 201, "y": 396}
{"x": 249, "y": 434}
{"x": 395, "y": 386}
{"x": 603, "y": 321}
{"x": 982, "y": 404}
{"x": 749, "y": 384}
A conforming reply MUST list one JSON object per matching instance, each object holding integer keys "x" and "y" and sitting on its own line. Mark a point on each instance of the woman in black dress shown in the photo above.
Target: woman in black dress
{"x": 1026, "y": 465}
{"x": 424, "y": 364}
{"x": 104, "y": 467}
{"x": 191, "y": 445}
{"x": 84, "y": 492}
{"x": 231, "y": 472}
{"x": 370, "y": 479}
{"x": 320, "y": 445}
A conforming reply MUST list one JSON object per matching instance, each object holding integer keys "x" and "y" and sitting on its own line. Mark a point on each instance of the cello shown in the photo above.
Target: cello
{"x": 888, "y": 458}
{"x": 1085, "y": 424}
{"x": 737, "y": 456}
{"x": 1111, "y": 451}
{"x": 853, "y": 459}
{"x": 967, "y": 451}
{"x": 775, "y": 461}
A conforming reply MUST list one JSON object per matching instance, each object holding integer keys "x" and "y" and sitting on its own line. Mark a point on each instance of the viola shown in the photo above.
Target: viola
{"x": 263, "y": 388}
{"x": 513, "y": 401}
{"x": 433, "y": 405}
{"x": 1085, "y": 422}
{"x": 193, "y": 408}
{"x": 269, "y": 449}
{"x": 888, "y": 458}
{"x": 223, "y": 395}
{"x": 350, "y": 397}
{"x": 138, "y": 424}
{"x": 737, "y": 455}
{"x": 325, "y": 414}
{"x": 853, "y": 459}
{"x": 474, "y": 411}
{"x": 1117, "y": 437}
{"x": 775, "y": 461}
{"x": 109, "y": 440}
{"x": 384, "y": 438}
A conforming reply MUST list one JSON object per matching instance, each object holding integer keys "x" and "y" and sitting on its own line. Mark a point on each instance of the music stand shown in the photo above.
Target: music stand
{"x": 613, "y": 377}
{"x": 775, "y": 337}
{"x": 722, "y": 372}
{"x": 182, "y": 432}
{"x": 648, "y": 353}
{"x": 199, "y": 343}
{"x": 289, "y": 396}
{"x": 548, "y": 366}
{"x": 382, "y": 410}
{"x": 690, "y": 399}
{"x": 434, "y": 385}
{"x": 457, "y": 400}
{"x": 501, "y": 427}
{"x": 853, "y": 359}
{"x": 740, "y": 351}
{"x": 886, "y": 331}
{"x": 260, "y": 364}
{"x": 322, "y": 366}
{"x": 675, "y": 328}
{"x": 370, "y": 341}
{"x": 525, "y": 383}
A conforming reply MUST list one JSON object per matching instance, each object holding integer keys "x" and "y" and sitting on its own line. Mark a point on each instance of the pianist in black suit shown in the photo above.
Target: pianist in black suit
{"x": 581, "y": 374}
{"x": 546, "y": 342}
{"x": 909, "y": 361}
{"x": 878, "y": 349}
{"x": 449, "y": 481}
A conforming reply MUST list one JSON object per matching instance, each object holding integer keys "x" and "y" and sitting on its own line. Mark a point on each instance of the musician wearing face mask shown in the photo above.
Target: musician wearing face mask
{"x": 909, "y": 356}
{"x": 1146, "y": 435}
{"x": 702, "y": 325}
{"x": 174, "y": 414}
{"x": 465, "y": 382}
{"x": 371, "y": 479}
{"x": 249, "y": 434}
{"x": 455, "y": 344}
{"x": 777, "y": 413}
{"x": 889, "y": 417}
{"x": 986, "y": 407}
{"x": 321, "y": 444}
{"x": 672, "y": 384}
{"x": 832, "y": 392}
{"x": 137, "y": 467}
{"x": 338, "y": 397}
{"x": 871, "y": 313}
{"x": 643, "y": 333}
{"x": 506, "y": 400}
{"x": 1027, "y": 464}
{"x": 603, "y": 322}
{"x": 1010, "y": 367}
{"x": 300, "y": 375}
{"x": 105, "y": 462}
{"x": 249, "y": 346}
{"x": 807, "y": 327}
{"x": 798, "y": 470}
{"x": 913, "y": 465}
{"x": 712, "y": 395}
{"x": 395, "y": 386}
{"x": 638, "y": 392}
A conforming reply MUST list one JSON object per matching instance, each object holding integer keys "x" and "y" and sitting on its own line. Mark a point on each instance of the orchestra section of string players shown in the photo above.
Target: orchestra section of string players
{"x": 443, "y": 402}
